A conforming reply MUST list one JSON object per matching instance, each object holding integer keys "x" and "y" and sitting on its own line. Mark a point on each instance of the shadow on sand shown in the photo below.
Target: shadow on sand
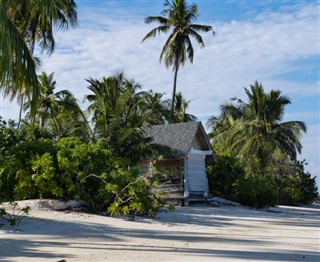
{"x": 103, "y": 237}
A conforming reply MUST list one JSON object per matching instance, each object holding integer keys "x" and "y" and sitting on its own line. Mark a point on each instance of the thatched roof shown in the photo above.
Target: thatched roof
{"x": 180, "y": 138}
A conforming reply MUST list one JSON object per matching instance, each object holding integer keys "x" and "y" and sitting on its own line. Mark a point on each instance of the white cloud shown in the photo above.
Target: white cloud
{"x": 241, "y": 53}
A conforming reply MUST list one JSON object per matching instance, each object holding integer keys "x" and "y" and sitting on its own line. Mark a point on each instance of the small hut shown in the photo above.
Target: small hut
{"x": 182, "y": 172}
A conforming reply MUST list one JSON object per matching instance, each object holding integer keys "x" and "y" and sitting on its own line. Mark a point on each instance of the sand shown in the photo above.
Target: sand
{"x": 194, "y": 233}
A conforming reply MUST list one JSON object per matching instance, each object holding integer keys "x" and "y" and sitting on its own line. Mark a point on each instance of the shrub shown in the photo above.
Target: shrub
{"x": 224, "y": 176}
{"x": 295, "y": 185}
{"x": 70, "y": 169}
{"x": 105, "y": 181}
{"x": 16, "y": 215}
{"x": 258, "y": 192}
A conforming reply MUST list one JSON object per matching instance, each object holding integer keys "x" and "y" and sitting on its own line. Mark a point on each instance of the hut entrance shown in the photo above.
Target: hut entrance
{"x": 197, "y": 179}
{"x": 170, "y": 174}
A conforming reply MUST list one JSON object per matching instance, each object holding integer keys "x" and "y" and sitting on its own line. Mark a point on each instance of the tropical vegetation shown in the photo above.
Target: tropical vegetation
{"x": 177, "y": 17}
{"x": 33, "y": 165}
{"x": 61, "y": 150}
{"x": 253, "y": 135}
{"x": 26, "y": 23}
{"x": 91, "y": 154}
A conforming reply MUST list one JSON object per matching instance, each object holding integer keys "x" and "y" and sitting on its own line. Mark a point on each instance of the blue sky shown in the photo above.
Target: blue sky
{"x": 274, "y": 42}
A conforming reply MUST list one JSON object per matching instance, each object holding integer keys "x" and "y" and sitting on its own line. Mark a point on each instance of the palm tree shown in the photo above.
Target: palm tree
{"x": 35, "y": 21}
{"x": 47, "y": 86}
{"x": 104, "y": 101}
{"x": 59, "y": 112}
{"x": 118, "y": 115}
{"x": 155, "y": 108}
{"x": 178, "y": 48}
{"x": 67, "y": 119}
{"x": 253, "y": 130}
{"x": 114, "y": 101}
{"x": 180, "y": 114}
{"x": 17, "y": 66}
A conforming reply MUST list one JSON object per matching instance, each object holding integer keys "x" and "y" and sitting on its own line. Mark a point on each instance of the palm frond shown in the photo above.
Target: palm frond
{"x": 17, "y": 67}
{"x": 201, "y": 28}
{"x": 156, "y": 19}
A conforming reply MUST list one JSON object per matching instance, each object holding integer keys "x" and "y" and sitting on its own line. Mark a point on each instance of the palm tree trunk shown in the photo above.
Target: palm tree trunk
{"x": 21, "y": 108}
{"x": 31, "y": 50}
{"x": 42, "y": 121}
{"x": 176, "y": 68}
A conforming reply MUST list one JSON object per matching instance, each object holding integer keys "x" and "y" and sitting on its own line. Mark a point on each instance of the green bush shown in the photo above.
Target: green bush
{"x": 105, "y": 181}
{"x": 71, "y": 169}
{"x": 258, "y": 192}
{"x": 283, "y": 182}
{"x": 18, "y": 148}
{"x": 227, "y": 179}
{"x": 295, "y": 185}
{"x": 224, "y": 176}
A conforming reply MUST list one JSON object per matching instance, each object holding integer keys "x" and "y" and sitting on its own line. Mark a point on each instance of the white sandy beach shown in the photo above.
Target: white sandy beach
{"x": 195, "y": 233}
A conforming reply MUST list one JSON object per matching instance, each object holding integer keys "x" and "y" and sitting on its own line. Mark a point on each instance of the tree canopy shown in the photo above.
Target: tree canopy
{"x": 253, "y": 130}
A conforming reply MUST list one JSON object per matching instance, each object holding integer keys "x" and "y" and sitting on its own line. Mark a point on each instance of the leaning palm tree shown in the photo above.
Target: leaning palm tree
{"x": 36, "y": 21}
{"x": 253, "y": 130}
{"x": 178, "y": 17}
{"x": 17, "y": 66}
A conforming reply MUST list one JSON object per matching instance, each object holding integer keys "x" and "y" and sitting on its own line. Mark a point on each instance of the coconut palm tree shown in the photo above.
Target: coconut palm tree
{"x": 104, "y": 101}
{"x": 115, "y": 100}
{"x": 17, "y": 66}
{"x": 60, "y": 112}
{"x": 35, "y": 21}
{"x": 177, "y": 17}
{"x": 180, "y": 114}
{"x": 67, "y": 119}
{"x": 47, "y": 98}
{"x": 155, "y": 108}
{"x": 119, "y": 114}
{"x": 253, "y": 130}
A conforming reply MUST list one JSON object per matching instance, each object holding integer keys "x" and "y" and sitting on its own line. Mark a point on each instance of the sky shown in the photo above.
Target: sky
{"x": 276, "y": 43}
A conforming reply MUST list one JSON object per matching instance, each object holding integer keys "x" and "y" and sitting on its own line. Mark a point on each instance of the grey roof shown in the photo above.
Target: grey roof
{"x": 178, "y": 137}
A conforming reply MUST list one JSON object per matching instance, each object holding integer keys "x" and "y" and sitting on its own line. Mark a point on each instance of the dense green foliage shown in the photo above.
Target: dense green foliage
{"x": 285, "y": 182}
{"x": 295, "y": 185}
{"x": 268, "y": 171}
{"x": 35, "y": 167}
{"x": 227, "y": 179}
{"x": 25, "y": 23}
{"x": 258, "y": 192}
{"x": 224, "y": 177}
{"x": 61, "y": 151}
